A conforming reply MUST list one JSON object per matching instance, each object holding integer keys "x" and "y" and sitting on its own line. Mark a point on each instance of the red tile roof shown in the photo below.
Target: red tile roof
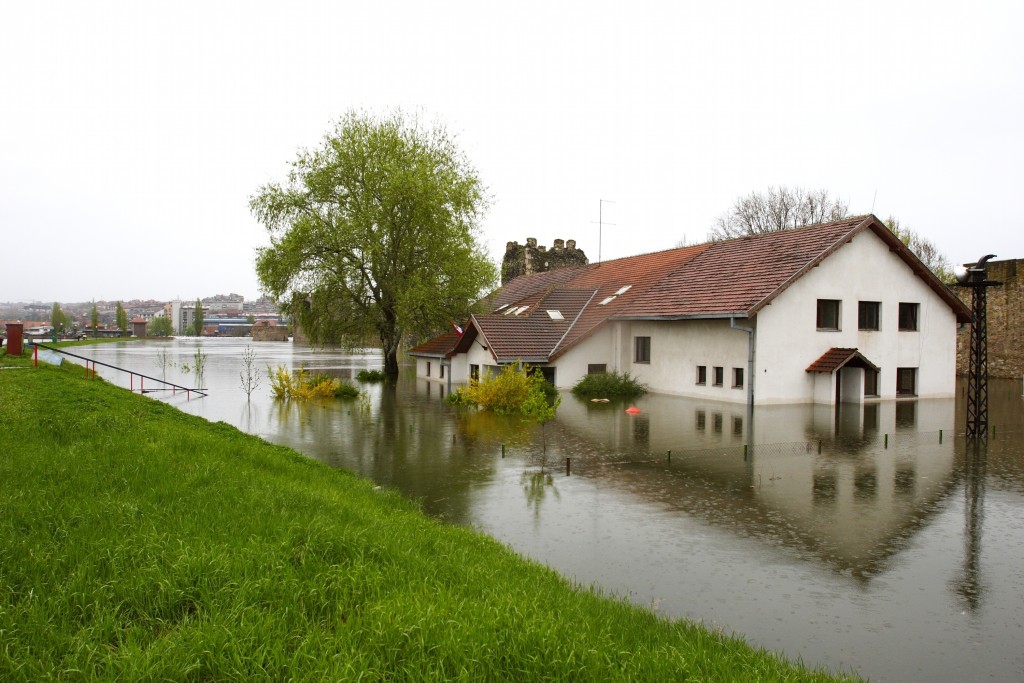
{"x": 733, "y": 278}
{"x": 836, "y": 358}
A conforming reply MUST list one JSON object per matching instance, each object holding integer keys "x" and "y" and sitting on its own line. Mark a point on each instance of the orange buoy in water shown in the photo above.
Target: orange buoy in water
{"x": 632, "y": 410}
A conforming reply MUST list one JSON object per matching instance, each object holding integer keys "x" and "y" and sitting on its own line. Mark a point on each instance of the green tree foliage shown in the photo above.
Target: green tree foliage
{"x": 605, "y": 384}
{"x": 160, "y": 326}
{"x": 94, "y": 318}
{"x": 60, "y": 320}
{"x": 375, "y": 233}
{"x": 121, "y": 318}
{"x": 199, "y": 319}
{"x": 780, "y": 208}
{"x": 936, "y": 261}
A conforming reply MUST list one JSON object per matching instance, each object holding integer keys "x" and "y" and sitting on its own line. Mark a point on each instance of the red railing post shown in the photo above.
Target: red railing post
{"x": 35, "y": 355}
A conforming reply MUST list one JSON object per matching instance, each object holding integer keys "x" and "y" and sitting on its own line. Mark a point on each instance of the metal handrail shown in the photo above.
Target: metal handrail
{"x": 187, "y": 390}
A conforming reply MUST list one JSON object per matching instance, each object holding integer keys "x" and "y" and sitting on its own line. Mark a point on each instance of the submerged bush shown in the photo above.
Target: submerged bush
{"x": 513, "y": 390}
{"x": 371, "y": 376}
{"x": 609, "y": 384}
{"x": 299, "y": 384}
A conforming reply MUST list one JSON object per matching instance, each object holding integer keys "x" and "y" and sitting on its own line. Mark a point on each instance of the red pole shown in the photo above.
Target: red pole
{"x": 35, "y": 356}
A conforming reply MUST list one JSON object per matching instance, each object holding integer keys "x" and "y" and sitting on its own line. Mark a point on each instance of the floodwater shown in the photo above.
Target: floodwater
{"x": 874, "y": 540}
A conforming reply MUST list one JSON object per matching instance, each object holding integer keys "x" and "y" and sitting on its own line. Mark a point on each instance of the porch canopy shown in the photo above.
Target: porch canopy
{"x": 836, "y": 359}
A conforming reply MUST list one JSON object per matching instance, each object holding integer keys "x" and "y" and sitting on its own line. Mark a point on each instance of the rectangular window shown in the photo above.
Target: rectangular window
{"x": 474, "y": 371}
{"x": 828, "y": 314}
{"x": 906, "y": 381}
{"x": 442, "y": 372}
{"x": 908, "y": 317}
{"x": 428, "y": 368}
{"x": 702, "y": 374}
{"x": 597, "y": 368}
{"x": 870, "y": 382}
{"x": 719, "y": 376}
{"x": 869, "y": 315}
{"x": 642, "y": 349}
{"x": 737, "y": 378}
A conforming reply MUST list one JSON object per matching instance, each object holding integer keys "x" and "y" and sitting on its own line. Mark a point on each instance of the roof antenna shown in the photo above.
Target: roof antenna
{"x": 873, "y": 202}
{"x": 601, "y": 223}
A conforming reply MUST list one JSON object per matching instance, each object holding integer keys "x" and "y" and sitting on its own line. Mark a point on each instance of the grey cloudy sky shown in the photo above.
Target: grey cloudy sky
{"x": 133, "y": 133}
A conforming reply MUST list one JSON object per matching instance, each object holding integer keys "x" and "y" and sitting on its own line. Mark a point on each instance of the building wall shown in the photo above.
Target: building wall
{"x": 1005, "y": 322}
{"x": 863, "y": 270}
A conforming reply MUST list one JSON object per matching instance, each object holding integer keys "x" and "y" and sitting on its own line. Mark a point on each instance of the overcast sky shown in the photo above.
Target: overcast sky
{"x": 132, "y": 134}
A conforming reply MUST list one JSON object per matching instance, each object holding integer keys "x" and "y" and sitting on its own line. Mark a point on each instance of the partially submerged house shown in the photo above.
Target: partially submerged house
{"x": 837, "y": 312}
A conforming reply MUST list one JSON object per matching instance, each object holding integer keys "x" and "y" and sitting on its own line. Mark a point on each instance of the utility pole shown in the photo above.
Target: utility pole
{"x": 975, "y": 276}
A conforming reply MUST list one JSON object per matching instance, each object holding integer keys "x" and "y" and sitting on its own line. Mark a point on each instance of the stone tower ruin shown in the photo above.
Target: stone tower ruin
{"x": 529, "y": 258}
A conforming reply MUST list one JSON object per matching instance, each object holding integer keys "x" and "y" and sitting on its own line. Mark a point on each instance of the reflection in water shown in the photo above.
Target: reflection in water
{"x": 968, "y": 586}
{"x": 822, "y": 532}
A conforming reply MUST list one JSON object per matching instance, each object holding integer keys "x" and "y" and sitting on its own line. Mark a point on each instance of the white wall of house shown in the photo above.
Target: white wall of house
{"x": 863, "y": 270}
{"x": 679, "y": 347}
{"x": 594, "y": 350}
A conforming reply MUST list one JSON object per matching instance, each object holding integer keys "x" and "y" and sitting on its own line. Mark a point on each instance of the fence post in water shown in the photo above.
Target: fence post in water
{"x": 568, "y": 466}
{"x": 886, "y": 440}
{"x": 503, "y": 450}
{"x": 744, "y": 451}
{"x": 668, "y": 456}
{"x": 819, "y": 446}
{"x": 940, "y": 436}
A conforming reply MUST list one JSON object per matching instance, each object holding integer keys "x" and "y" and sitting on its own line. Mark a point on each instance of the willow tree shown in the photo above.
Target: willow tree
{"x": 374, "y": 233}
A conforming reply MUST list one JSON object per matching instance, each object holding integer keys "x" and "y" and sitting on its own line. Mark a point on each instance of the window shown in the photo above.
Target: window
{"x": 719, "y": 375}
{"x": 597, "y": 368}
{"x": 428, "y": 368}
{"x": 702, "y": 374}
{"x": 442, "y": 371}
{"x": 870, "y": 382}
{"x": 908, "y": 317}
{"x": 828, "y": 314}
{"x": 906, "y": 381}
{"x": 642, "y": 349}
{"x": 868, "y": 315}
{"x": 474, "y": 371}
{"x": 737, "y": 378}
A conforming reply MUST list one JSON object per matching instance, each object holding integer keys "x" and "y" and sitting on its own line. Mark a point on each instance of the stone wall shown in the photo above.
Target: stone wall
{"x": 1005, "y": 322}
{"x": 529, "y": 258}
{"x": 269, "y": 333}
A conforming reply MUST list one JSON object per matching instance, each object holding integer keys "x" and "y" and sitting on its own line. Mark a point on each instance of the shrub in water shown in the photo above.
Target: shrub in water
{"x": 371, "y": 376}
{"x": 609, "y": 384}
{"x": 513, "y": 390}
{"x": 299, "y": 384}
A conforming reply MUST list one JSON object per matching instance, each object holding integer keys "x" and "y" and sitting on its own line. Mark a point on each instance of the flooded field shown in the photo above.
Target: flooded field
{"x": 872, "y": 539}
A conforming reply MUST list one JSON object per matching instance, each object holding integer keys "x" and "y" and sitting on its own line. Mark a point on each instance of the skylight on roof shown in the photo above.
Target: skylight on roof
{"x": 500, "y": 307}
{"x": 555, "y": 315}
{"x": 607, "y": 300}
{"x": 510, "y": 310}
{"x": 521, "y": 309}
{"x": 623, "y": 290}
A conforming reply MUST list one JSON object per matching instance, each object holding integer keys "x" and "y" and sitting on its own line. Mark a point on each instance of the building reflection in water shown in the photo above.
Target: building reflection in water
{"x": 847, "y": 486}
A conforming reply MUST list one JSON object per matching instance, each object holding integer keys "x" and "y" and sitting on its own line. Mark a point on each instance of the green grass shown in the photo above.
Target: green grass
{"x": 605, "y": 384}
{"x": 141, "y": 543}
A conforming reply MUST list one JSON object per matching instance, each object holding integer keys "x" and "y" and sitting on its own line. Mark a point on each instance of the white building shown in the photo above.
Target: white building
{"x": 837, "y": 312}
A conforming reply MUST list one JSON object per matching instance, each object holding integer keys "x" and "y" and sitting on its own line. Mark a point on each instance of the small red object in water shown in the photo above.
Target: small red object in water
{"x": 632, "y": 410}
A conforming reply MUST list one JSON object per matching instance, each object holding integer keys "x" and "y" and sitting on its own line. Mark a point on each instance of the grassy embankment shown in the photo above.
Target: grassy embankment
{"x": 138, "y": 542}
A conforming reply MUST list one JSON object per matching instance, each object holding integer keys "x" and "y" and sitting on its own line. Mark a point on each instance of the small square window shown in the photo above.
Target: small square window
{"x": 737, "y": 378}
{"x": 642, "y": 349}
{"x": 719, "y": 376}
{"x": 597, "y": 368}
{"x": 908, "y": 317}
{"x": 702, "y": 374}
{"x": 869, "y": 315}
{"x": 828, "y": 314}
